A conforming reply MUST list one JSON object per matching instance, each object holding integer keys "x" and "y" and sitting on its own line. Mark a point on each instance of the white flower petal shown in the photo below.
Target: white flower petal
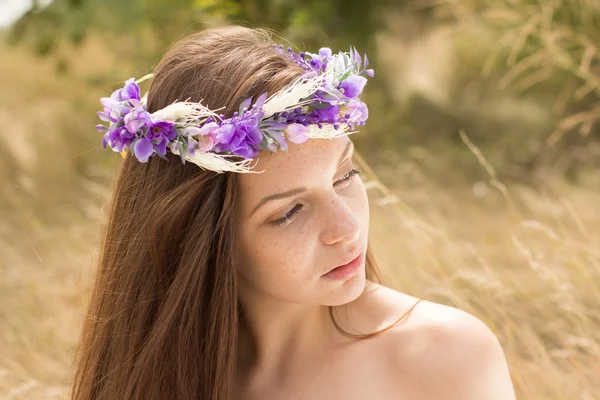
{"x": 217, "y": 162}
{"x": 289, "y": 98}
{"x": 189, "y": 111}
{"x": 327, "y": 132}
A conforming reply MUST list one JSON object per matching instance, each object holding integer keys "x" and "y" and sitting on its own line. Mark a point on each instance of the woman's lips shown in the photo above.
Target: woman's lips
{"x": 347, "y": 271}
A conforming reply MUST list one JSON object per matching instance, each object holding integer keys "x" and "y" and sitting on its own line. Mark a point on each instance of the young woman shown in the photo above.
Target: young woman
{"x": 236, "y": 262}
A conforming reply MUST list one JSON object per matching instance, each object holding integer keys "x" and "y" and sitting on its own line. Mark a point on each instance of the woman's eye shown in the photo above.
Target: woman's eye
{"x": 348, "y": 176}
{"x": 288, "y": 216}
{"x": 292, "y": 213}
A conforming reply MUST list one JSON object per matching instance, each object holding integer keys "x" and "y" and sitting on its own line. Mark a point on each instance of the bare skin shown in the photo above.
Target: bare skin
{"x": 288, "y": 345}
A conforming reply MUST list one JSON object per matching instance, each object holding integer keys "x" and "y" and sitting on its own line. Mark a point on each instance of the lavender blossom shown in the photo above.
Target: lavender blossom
{"x": 137, "y": 118}
{"x": 357, "y": 112}
{"x": 162, "y": 129}
{"x": 131, "y": 91}
{"x": 204, "y": 138}
{"x": 353, "y": 85}
{"x": 296, "y": 133}
{"x": 117, "y": 137}
{"x": 143, "y": 149}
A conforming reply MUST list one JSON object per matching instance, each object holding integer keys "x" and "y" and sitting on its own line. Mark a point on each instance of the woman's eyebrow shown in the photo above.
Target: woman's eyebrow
{"x": 349, "y": 146}
{"x": 293, "y": 192}
{"x": 278, "y": 196}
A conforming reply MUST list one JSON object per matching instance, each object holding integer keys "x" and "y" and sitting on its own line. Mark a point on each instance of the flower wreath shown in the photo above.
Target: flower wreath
{"x": 321, "y": 103}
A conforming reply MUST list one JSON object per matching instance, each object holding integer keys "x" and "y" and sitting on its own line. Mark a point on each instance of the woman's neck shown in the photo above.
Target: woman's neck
{"x": 274, "y": 336}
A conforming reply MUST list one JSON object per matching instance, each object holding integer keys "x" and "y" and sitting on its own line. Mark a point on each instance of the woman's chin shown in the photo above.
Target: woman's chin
{"x": 345, "y": 291}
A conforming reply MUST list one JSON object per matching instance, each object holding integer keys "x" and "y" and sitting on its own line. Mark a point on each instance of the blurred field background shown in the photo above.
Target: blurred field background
{"x": 481, "y": 158}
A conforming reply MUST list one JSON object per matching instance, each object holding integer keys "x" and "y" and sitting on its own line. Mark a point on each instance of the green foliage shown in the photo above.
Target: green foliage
{"x": 531, "y": 55}
{"x": 310, "y": 21}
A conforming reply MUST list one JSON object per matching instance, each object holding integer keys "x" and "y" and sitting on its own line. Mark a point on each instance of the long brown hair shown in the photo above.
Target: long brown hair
{"x": 163, "y": 317}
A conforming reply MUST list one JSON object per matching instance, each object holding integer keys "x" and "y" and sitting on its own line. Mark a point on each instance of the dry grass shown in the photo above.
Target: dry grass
{"x": 524, "y": 259}
{"x": 545, "y": 42}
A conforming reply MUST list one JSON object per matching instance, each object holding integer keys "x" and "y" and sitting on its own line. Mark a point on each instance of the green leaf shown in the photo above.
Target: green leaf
{"x": 345, "y": 75}
{"x": 182, "y": 147}
{"x": 264, "y": 144}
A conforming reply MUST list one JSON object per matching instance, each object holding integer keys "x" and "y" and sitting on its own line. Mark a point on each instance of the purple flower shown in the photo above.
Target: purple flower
{"x": 117, "y": 137}
{"x": 131, "y": 91}
{"x": 260, "y": 101}
{"x": 113, "y": 110}
{"x": 325, "y": 53}
{"x": 235, "y": 141}
{"x": 160, "y": 145}
{"x": 101, "y": 128}
{"x": 224, "y": 134}
{"x": 241, "y": 135}
{"x": 108, "y": 103}
{"x": 252, "y": 135}
{"x": 203, "y": 138}
{"x": 296, "y": 133}
{"x": 137, "y": 118}
{"x": 244, "y": 149}
{"x": 319, "y": 61}
{"x": 369, "y": 72}
{"x": 123, "y": 120}
{"x": 164, "y": 129}
{"x": 143, "y": 149}
{"x": 159, "y": 135}
{"x": 242, "y": 139}
{"x": 358, "y": 111}
{"x": 353, "y": 85}
{"x": 299, "y": 59}
{"x": 329, "y": 114}
{"x": 355, "y": 57}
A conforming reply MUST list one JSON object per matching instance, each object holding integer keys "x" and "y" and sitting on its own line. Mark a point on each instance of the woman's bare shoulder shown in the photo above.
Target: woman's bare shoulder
{"x": 436, "y": 351}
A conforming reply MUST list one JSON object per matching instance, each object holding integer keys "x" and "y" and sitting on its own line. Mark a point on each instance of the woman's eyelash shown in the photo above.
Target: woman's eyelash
{"x": 349, "y": 175}
{"x": 299, "y": 206}
{"x": 288, "y": 216}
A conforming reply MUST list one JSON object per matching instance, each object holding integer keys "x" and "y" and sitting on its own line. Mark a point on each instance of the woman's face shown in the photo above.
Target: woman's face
{"x": 306, "y": 214}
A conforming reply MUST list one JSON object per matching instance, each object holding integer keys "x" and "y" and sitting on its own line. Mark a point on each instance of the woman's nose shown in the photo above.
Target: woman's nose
{"x": 339, "y": 224}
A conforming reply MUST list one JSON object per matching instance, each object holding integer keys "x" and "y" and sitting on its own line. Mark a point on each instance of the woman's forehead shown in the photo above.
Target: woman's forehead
{"x": 283, "y": 171}
{"x": 312, "y": 154}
